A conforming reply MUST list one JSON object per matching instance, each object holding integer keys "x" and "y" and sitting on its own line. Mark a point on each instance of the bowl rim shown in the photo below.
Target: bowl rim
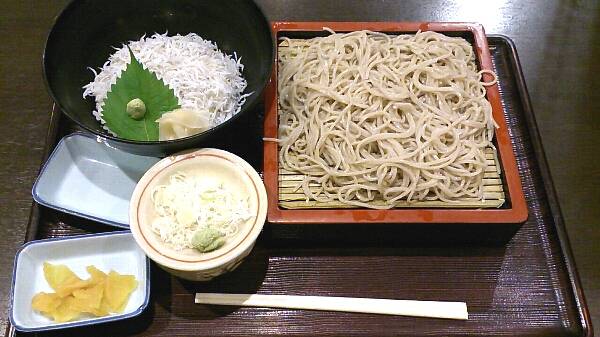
{"x": 249, "y": 104}
{"x": 241, "y": 167}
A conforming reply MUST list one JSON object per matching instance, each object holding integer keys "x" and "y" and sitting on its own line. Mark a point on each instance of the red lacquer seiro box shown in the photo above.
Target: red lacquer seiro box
{"x": 514, "y": 209}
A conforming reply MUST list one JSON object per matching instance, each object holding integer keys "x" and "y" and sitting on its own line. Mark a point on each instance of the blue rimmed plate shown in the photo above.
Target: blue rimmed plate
{"x": 106, "y": 251}
{"x": 87, "y": 178}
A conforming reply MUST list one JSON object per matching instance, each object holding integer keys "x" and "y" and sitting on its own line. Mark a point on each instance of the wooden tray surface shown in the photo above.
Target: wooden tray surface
{"x": 525, "y": 287}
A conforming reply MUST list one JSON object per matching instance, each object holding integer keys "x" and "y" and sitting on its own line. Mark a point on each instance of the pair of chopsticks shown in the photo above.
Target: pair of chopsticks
{"x": 434, "y": 309}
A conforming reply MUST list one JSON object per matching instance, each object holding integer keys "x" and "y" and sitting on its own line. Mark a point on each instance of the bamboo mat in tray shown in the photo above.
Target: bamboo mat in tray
{"x": 292, "y": 197}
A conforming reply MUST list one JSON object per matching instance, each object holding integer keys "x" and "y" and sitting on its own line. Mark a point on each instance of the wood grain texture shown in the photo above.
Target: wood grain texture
{"x": 518, "y": 288}
{"x": 559, "y": 45}
{"x": 24, "y": 115}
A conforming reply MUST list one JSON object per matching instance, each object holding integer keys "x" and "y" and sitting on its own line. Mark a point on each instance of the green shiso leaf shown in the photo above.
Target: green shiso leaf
{"x": 137, "y": 82}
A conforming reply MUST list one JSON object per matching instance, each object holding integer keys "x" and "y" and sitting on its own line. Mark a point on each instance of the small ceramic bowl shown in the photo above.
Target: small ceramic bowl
{"x": 235, "y": 174}
{"x": 107, "y": 251}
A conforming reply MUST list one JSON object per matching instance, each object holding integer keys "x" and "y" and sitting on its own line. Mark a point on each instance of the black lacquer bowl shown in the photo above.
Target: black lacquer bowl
{"x": 85, "y": 33}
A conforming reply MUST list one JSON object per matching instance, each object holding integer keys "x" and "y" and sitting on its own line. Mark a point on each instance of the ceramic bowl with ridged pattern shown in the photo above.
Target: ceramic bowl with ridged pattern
{"x": 236, "y": 175}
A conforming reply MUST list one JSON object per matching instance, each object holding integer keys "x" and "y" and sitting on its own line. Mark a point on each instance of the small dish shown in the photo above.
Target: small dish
{"x": 87, "y": 178}
{"x": 513, "y": 209}
{"x": 234, "y": 174}
{"x": 117, "y": 251}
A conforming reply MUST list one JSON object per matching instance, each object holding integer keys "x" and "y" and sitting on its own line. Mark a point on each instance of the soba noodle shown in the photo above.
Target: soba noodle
{"x": 368, "y": 116}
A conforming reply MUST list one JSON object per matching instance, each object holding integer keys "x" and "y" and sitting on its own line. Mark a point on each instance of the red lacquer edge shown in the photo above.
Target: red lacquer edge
{"x": 516, "y": 214}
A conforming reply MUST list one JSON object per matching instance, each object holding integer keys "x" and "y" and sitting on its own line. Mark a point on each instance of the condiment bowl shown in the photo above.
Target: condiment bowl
{"x": 106, "y": 251}
{"x": 85, "y": 33}
{"x": 234, "y": 174}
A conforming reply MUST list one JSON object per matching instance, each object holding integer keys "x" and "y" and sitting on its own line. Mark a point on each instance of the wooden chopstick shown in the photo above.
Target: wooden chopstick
{"x": 434, "y": 309}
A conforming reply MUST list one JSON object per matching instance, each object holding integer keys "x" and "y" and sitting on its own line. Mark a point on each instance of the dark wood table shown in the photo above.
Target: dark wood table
{"x": 558, "y": 44}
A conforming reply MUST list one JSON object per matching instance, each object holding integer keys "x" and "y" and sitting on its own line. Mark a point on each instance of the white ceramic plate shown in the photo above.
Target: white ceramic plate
{"x": 107, "y": 251}
{"x": 90, "y": 179}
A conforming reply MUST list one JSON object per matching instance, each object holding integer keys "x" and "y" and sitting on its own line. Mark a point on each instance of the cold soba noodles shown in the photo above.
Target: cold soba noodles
{"x": 366, "y": 116}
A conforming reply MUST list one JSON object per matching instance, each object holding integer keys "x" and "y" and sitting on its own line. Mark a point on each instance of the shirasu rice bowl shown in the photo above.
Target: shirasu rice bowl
{"x": 203, "y": 78}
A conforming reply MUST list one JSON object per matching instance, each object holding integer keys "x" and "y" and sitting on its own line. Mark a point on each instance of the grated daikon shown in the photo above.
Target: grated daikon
{"x": 188, "y": 204}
